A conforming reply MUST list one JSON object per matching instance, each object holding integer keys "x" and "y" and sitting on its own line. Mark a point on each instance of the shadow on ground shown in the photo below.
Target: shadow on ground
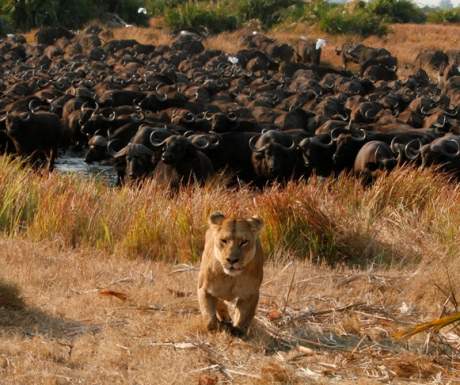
{"x": 16, "y": 317}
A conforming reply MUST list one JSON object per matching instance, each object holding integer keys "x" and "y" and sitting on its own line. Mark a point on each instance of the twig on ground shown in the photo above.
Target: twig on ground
{"x": 184, "y": 268}
{"x": 286, "y": 300}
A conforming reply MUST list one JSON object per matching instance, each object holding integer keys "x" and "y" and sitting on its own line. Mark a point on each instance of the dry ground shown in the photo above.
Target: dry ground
{"x": 405, "y": 41}
{"x": 315, "y": 325}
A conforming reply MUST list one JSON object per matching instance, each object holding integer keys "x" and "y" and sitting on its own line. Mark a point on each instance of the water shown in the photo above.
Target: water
{"x": 73, "y": 162}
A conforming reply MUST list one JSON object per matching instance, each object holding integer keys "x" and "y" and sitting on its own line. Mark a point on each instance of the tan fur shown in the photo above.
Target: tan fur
{"x": 231, "y": 269}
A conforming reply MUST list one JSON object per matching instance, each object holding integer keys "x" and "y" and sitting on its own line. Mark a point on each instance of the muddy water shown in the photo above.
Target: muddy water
{"x": 73, "y": 162}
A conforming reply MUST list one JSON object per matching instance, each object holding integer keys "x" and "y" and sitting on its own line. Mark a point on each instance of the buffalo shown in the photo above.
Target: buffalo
{"x": 373, "y": 158}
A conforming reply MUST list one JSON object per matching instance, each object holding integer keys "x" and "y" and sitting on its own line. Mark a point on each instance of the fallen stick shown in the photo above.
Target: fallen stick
{"x": 175, "y": 345}
{"x": 328, "y": 311}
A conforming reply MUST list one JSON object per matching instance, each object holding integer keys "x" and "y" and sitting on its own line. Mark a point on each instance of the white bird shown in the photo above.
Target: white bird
{"x": 142, "y": 10}
{"x": 320, "y": 43}
{"x": 233, "y": 59}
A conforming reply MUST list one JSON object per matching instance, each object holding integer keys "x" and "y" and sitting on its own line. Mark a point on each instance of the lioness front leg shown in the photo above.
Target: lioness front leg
{"x": 245, "y": 310}
{"x": 208, "y": 305}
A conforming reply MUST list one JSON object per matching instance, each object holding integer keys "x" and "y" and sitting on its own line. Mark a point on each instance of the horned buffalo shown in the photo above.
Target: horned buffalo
{"x": 372, "y": 159}
{"x": 182, "y": 162}
{"x": 366, "y": 56}
{"x": 35, "y": 135}
{"x": 275, "y": 157}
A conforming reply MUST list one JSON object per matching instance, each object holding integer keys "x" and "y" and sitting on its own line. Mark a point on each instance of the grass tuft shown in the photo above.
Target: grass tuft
{"x": 333, "y": 221}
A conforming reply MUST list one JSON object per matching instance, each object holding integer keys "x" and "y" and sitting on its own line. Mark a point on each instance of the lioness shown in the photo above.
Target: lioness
{"x": 231, "y": 269}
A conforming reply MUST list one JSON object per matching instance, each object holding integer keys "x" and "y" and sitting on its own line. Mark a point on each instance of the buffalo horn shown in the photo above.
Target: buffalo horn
{"x": 232, "y": 116}
{"x": 137, "y": 117}
{"x": 411, "y": 152}
{"x": 33, "y": 107}
{"x": 457, "y": 153}
{"x": 252, "y": 142}
{"x": 154, "y": 142}
{"x": 201, "y": 142}
{"x": 361, "y": 137}
{"x": 25, "y": 116}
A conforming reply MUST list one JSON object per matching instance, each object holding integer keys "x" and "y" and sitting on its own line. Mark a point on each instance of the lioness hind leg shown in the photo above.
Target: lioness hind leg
{"x": 244, "y": 313}
{"x": 208, "y": 307}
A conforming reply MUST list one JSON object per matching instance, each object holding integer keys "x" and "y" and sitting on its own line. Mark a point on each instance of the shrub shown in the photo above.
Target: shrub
{"x": 269, "y": 12}
{"x": 397, "y": 11}
{"x": 308, "y": 12}
{"x": 360, "y": 22}
{"x": 442, "y": 16}
{"x": 27, "y": 14}
{"x": 197, "y": 17}
{"x": 4, "y": 26}
{"x": 159, "y": 7}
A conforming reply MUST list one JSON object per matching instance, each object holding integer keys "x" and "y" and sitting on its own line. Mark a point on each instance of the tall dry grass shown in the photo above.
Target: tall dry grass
{"x": 401, "y": 219}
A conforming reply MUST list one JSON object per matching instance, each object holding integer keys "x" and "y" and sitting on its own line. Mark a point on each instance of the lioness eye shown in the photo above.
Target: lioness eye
{"x": 224, "y": 241}
{"x": 243, "y": 243}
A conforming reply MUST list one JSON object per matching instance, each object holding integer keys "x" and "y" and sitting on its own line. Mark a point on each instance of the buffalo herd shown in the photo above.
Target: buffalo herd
{"x": 271, "y": 112}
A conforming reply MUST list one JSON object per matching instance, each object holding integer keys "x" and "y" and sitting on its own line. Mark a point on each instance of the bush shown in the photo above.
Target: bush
{"x": 309, "y": 12}
{"x": 269, "y": 12}
{"x": 5, "y": 26}
{"x": 442, "y": 16}
{"x": 197, "y": 17}
{"x": 397, "y": 11}
{"x": 159, "y": 7}
{"x": 360, "y": 22}
{"x": 27, "y": 14}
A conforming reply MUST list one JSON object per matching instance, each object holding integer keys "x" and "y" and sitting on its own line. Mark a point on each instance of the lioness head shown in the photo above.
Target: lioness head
{"x": 235, "y": 241}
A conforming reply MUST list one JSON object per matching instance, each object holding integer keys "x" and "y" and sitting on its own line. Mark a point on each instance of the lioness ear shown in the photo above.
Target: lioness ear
{"x": 216, "y": 218}
{"x": 256, "y": 224}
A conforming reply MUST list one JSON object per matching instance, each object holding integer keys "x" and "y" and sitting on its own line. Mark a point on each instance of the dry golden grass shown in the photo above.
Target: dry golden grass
{"x": 347, "y": 268}
{"x": 335, "y": 221}
{"x": 330, "y": 325}
{"x": 156, "y": 33}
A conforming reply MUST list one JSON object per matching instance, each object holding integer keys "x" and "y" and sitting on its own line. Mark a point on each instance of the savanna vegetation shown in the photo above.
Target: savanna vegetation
{"x": 357, "y": 17}
{"x": 98, "y": 284}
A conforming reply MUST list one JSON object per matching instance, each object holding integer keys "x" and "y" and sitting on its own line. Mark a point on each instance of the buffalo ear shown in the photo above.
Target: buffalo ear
{"x": 216, "y": 218}
{"x": 256, "y": 224}
{"x": 372, "y": 166}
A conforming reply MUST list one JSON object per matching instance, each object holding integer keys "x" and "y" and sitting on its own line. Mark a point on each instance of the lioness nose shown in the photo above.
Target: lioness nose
{"x": 232, "y": 260}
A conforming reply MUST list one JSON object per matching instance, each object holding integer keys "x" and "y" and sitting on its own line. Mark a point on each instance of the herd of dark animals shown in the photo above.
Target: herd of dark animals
{"x": 269, "y": 113}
